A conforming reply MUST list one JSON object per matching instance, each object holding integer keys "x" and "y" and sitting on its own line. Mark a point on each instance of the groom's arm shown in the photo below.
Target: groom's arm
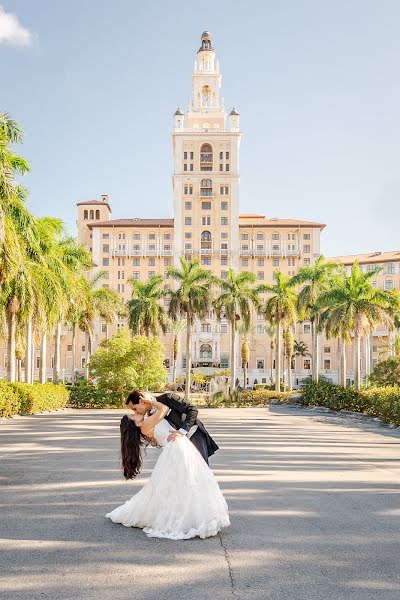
{"x": 175, "y": 402}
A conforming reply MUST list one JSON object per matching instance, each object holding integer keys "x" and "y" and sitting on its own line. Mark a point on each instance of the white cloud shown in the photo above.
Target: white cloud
{"x": 11, "y": 31}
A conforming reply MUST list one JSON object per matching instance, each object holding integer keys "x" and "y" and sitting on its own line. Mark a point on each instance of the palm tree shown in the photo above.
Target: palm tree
{"x": 96, "y": 303}
{"x": 280, "y": 311}
{"x": 300, "y": 348}
{"x": 238, "y": 294}
{"x": 353, "y": 305}
{"x": 316, "y": 280}
{"x": 244, "y": 331}
{"x": 191, "y": 300}
{"x": 146, "y": 314}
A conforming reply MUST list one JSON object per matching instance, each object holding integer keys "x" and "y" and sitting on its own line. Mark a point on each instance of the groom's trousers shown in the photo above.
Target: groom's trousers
{"x": 199, "y": 440}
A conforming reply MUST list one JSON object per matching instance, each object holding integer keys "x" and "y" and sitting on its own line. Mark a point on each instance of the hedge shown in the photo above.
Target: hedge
{"x": 383, "y": 402}
{"x": 87, "y": 395}
{"x": 25, "y": 398}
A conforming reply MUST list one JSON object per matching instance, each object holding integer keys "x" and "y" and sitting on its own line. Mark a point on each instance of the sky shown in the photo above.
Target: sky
{"x": 94, "y": 85}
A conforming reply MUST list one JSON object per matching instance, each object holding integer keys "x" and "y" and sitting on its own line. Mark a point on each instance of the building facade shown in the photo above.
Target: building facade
{"x": 207, "y": 224}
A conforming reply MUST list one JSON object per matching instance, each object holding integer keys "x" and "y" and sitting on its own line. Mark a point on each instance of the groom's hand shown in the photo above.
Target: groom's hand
{"x": 174, "y": 434}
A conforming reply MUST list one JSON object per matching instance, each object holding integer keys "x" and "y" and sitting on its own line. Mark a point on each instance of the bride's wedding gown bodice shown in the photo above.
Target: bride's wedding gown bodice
{"x": 162, "y": 431}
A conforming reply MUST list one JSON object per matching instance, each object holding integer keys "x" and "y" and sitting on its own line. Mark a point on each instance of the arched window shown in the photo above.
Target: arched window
{"x": 205, "y": 351}
{"x": 92, "y": 215}
{"x": 97, "y": 215}
{"x": 206, "y": 158}
{"x": 205, "y": 242}
{"x": 85, "y": 215}
{"x": 206, "y": 236}
{"x": 206, "y": 96}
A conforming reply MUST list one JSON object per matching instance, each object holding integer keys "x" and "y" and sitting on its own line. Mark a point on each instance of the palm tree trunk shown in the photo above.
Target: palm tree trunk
{"x": 244, "y": 374}
{"x": 33, "y": 363}
{"x": 315, "y": 360}
{"x": 278, "y": 358}
{"x": 188, "y": 358}
{"x": 73, "y": 352}
{"x": 88, "y": 354}
{"x": 28, "y": 351}
{"x": 57, "y": 343}
{"x": 343, "y": 364}
{"x": 233, "y": 361}
{"x": 19, "y": 369}
{"x": 43, "y": 357}
{"x": 11, "y": 322}
{"x": 367, "y": 351}
{"x": 272, "y": 363}
{"x": 289, "y": 370}
{"x": 357, "y": 370}
{"x": 174, "y": 357}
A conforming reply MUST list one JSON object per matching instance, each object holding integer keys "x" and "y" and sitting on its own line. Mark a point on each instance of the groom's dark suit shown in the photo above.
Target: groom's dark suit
{"x": 184, "y": 416}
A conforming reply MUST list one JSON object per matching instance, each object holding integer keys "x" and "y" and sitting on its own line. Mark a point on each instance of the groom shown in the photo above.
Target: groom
{"x": 181, "y": 414}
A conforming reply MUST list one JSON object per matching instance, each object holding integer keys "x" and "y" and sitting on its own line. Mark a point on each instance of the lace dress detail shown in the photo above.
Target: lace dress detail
{"x": 182, "y": 498}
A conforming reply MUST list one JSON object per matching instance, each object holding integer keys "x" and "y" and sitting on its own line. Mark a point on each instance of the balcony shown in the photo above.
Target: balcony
{"x": 246, "y": 252}
{"x": 295, "y": 252}
{"x": 276, "y": 252}
{"x": 224, "y": 252}
{"x": 151, "y": 252}
{"x": 136, "y": 252}
{"x": 259, "y": 252}
{"x": 206, "y": 194}
{"x": 120, "y": 253}
{"x": 206, "y": 251}
{"x": 166, "y": 252}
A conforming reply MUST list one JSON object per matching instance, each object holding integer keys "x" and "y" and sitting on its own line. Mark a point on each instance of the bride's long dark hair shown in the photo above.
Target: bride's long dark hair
{"x": 132, "y": 441}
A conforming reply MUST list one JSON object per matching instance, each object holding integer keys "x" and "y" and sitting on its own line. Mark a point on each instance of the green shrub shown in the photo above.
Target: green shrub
{"x": 9, "y": 400}
{"x": 88, "y": 395}
{"x": 387, "y": 372}
{"x": 383, "y": 402}
{"x": 26, "y": 398}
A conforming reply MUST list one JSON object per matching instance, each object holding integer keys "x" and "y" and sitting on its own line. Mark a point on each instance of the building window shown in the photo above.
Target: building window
{"x": 307, "y": 262}
{"x": 85, "y": 215}
{"x": 167, "y": 236}
{"x": 206, "y": 220}
{"x": 327, "y": 349}
{"x": 260, "y": 275}
{"x": 188, "y": 235}
{"x": 245, "y": 236}
{"x": 224, "y": 206}
{"x": 224, "y": 361}
{"x": 188, "y": 220}
{"x": 307, "y": 248}
{"x": 221, "y": 167}
{"x": 260, "y": 262}
{"x": 245, "y": 262}
{"x": 327, "y": 364}
{"x": 227, "y": 155}
{"x": 307, "y": 364}
{"x": 224, "y": 220}
{"x": 224, "y": 327}
{"x": 389, "y": 269}
{"x": 167, "y": 262}
{"x": 106, "y": 248}
{"x": 224, "y": 261}
{"x": 136, "y": 275}
{"x": 221, "y": 156}
{"x": 260, "y": 329}
{"x": 136, "y": 236}
{"x": 260, "y": 236}
{"x": 306, "y": 236}
{"x": 206, "y": 260}
{"x": 106, "y": 236}
{"x": 205, "y": 351}
{"x": 224, "y": 190}
{"x": 152, "y": 262}
{"x": 224, "y": 235}
{"x": 103, "y": 328}
{"x": 276, "y": 236}
{"x": 136, "y": 262}
{"x": 227, "y": 167}
{"x": 306, "y": 328}
{"x": 188, "y": 206}
{"x": 224, "y": 274}
{"x": 151, "y": 274}
{"x": 191, "y": 156}
{"x": 106, "y": 262}
{"x": 206, "y": 327}
{"x": 260, "y": 364}
{"x": 388, "y": 284}
{"x": 206, "y": 205}
{"x": 185, "y": 167}
{"x": 206, "y": 158}
{"x": 185, "y": 155}
{"x": 191, "y": 167}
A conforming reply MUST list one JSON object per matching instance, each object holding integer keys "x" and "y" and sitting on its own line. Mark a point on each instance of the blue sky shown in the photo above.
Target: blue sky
{"x": 317, "y": 83}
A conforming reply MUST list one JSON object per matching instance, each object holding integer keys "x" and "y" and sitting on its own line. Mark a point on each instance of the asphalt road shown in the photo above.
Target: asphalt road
{"x": 314, "y": 503}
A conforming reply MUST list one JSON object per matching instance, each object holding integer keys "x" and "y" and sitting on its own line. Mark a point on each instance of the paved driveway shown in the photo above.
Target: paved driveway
{"x": 314, "y": 502}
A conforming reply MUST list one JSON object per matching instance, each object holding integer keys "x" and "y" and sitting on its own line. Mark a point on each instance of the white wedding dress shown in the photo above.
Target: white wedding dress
{"x": 181, "y": 500}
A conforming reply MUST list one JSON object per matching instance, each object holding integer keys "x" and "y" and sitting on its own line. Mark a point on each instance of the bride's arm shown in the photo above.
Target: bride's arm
{"x": 149, "y": 424}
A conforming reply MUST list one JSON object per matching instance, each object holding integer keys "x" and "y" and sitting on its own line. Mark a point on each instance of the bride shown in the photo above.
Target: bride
{"x": 182, "y": 499}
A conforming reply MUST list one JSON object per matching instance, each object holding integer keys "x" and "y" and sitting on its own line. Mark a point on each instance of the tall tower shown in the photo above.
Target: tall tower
{"x": 206, "y": 170}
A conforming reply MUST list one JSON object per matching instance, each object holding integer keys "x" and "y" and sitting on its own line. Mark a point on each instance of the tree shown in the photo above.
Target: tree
{"x": 315, "y": 280}
{"x": 121, "y": 364}
{"x": 354, "y": 306}
{"x": 244, "y": 331}
{"x": 280, "y": 311}
{"x": 191, "y": 299}
{"x": 387, "y": 372}
{"x": 300, "y": 348}
{"x": 146, "y": 314}
{"x": 96, "y": 303}
{"x": 238, "y": 294}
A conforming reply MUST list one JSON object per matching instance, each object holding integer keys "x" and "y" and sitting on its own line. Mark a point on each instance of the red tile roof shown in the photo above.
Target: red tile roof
{"x": 133, "y": 223}
{"x": 368, "y": 257}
